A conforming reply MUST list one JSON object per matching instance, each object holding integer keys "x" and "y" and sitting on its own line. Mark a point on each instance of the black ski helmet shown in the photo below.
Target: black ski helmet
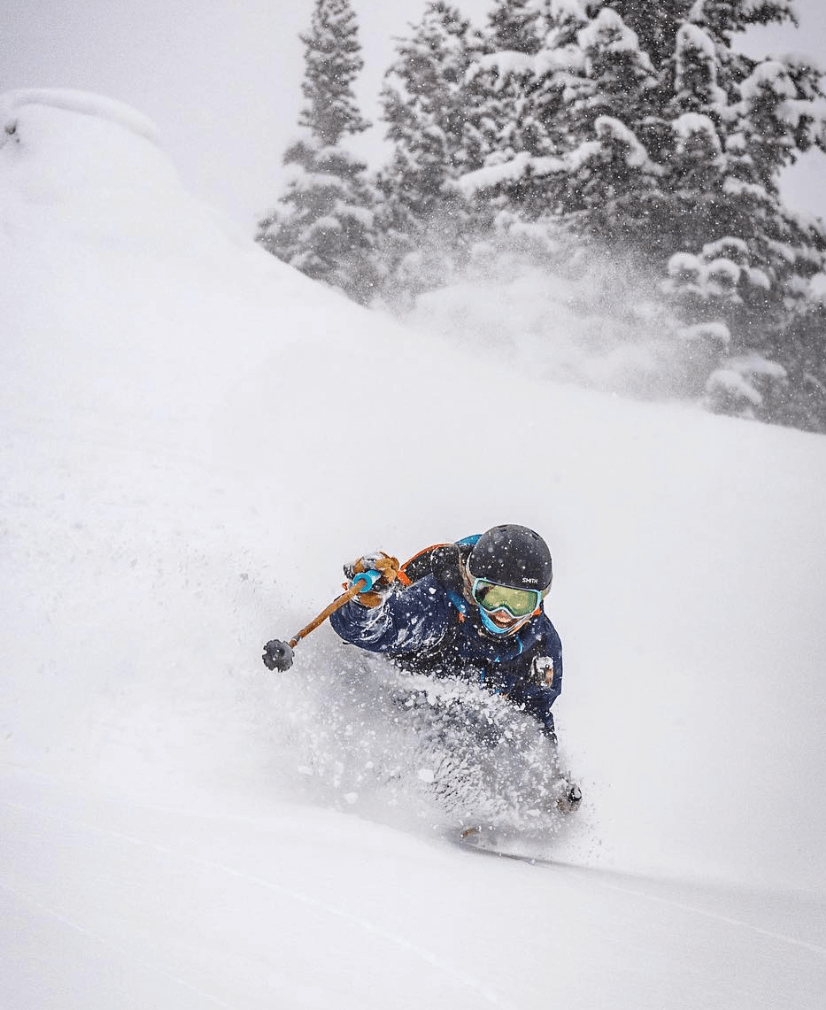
{"x": 512, "y": 556}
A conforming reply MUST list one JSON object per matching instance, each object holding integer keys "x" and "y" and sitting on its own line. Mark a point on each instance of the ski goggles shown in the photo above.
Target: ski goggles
{"x": 492, "y": 597}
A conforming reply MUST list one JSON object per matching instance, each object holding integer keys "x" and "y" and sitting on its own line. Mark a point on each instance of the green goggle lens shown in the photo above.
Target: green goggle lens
{"x": 517, "y": 602}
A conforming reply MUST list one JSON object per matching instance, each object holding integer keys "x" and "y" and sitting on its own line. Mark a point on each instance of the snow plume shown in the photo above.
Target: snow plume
{"x": 153, "y": 370}
{"x": 540, "y": 303}
{"x": 358, "y": 734}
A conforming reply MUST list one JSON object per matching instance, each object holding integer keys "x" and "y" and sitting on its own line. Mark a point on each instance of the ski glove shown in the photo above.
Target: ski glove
{"x": 378, "y": 561}
{"x": 571, "y": 798}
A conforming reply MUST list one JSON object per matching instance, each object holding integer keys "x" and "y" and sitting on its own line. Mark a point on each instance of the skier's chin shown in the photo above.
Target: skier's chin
{"x": 505, "y": 624}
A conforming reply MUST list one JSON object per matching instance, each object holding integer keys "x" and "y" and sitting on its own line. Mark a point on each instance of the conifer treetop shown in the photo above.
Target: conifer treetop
{"x": 333, "y": 60}
{"x": 324, "y": 225}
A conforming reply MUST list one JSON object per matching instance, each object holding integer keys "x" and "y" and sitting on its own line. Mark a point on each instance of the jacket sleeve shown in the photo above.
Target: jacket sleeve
{"x": 410, "y": 620}
{"x": 537, "y": 697}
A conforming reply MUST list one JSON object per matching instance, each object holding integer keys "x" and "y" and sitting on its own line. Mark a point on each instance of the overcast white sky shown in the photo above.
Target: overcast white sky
{"x": 222, "y": 78}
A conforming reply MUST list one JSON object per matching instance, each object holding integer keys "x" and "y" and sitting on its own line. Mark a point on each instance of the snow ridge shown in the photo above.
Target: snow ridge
{"x": 82, "y": 102}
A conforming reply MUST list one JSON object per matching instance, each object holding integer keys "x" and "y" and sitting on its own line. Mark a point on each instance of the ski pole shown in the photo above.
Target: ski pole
{"x": 278, "y": 655}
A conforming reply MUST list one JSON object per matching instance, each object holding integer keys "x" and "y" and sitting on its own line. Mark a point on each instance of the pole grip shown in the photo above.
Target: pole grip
{"x": 368, "y": 580}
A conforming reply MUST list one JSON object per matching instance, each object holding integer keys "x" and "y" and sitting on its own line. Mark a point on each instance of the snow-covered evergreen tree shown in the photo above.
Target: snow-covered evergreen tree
{"x": 697, "y": 116}
{"x": 611, "y": 185}
{"x": 656, "y": 24}
{"x": 327, "y": 227}
{"x": 513, "y": 26}
{"x": 427, "y": 108}
{"x": 656, "y": 136}
{"x": 743, "y": 255}
{"x": 501, "y": 79}
{"x": 801, "y": 400}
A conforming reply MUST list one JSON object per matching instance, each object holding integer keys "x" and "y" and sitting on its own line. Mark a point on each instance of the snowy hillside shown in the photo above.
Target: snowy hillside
{"x": 194, "y": 439}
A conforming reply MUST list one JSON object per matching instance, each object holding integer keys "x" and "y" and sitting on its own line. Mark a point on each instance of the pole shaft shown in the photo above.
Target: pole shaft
{"x": 337, "y": 604}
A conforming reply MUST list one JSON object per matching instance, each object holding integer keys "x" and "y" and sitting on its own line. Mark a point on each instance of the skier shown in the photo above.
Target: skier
{"x": 473, "y": 609}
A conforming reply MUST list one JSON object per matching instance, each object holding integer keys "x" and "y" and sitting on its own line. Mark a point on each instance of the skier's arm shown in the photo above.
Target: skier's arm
{"x": 541, "y": 685}
{"x": 409, "y": 620}
{"x": 537, "y": 701}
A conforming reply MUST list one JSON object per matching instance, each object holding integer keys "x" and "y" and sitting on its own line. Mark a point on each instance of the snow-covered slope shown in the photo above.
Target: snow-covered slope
{"x": 194, "y": 438}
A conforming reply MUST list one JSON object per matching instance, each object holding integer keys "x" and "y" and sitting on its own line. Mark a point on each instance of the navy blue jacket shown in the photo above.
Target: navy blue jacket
{"x": 427, "y": 628}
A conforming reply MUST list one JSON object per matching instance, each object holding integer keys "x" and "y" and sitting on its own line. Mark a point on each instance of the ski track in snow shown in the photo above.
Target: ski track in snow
{"x": 107, "y": 942}
{"x": 684, "y": 907}
{"x": 595, "y": 877}
{"x": 306, "y": 899}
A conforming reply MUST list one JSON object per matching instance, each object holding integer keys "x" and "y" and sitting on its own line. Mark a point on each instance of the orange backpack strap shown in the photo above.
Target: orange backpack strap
{"x": 418, "y": 566}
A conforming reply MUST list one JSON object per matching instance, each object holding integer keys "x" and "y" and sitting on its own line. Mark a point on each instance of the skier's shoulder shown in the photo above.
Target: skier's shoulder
{"x": 425, "y": 592}
{"x": 545, "y": 630}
